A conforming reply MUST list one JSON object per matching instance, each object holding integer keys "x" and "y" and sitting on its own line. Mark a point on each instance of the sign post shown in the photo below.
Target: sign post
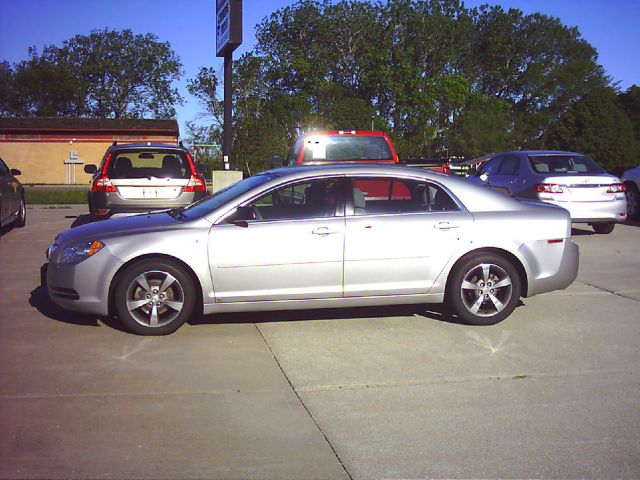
{"x": 228, "y": 38}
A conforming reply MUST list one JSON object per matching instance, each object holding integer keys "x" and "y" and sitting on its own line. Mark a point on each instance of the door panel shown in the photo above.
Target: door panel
{"x": 279, "y": 260}
{"x": 399, "y": 254}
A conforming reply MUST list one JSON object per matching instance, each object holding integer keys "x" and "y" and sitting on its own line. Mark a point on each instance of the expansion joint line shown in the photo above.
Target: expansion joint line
{"x": 326, "y": 439}
{"x": 609, "y": 291}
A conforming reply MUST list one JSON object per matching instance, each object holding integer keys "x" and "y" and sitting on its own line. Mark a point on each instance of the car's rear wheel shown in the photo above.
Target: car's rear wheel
{"x": 483, "y": 289}
{"x": 154, "y": 297}
{"x": 603, "y": 227}
{"x": 633, "y": 201}
{"x": 21, "y": 219}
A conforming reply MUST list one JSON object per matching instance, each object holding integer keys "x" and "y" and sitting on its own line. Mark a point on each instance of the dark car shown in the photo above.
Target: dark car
{"x": 138, "y": 178}
{"x": 13, "y": 210}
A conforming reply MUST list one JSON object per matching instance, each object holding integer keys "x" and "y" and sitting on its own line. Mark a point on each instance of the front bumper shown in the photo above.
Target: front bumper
{"x": 83, "y": 287}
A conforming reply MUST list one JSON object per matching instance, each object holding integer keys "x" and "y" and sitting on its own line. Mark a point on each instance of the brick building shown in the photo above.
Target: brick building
{"x": 54, "y": 150}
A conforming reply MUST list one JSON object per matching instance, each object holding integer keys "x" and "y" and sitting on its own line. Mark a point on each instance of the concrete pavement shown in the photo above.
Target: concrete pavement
{"x": 553, "y": 391}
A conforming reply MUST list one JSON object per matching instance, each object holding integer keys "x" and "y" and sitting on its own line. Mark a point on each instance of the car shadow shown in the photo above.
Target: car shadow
{"x": 39, "y": 299}
{"x": 6, "y": 229}
{"x": 435, "y": 312}
{"x": 80, "y": 219}
{"x": 632, "y": 223}
{"x": 582, "y": 231}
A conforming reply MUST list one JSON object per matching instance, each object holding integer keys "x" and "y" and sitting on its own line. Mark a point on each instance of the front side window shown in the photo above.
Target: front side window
{"x": 318, "y": 198}
{"x": 491, "y": 167}
{"x": 376, "y": 196}
{"x": 149, "y": 163}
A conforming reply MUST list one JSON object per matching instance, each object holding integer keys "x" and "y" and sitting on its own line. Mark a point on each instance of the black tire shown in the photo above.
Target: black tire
{"x": 633, "y": 201}
{"x": 133, "y": 301}
{"x": 603, "y": 227}
{"x": 484, "y": 304}
{"x": 21, "y": 219}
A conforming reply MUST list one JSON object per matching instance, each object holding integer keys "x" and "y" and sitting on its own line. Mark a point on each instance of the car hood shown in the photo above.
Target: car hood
{"x": 137, "y": 224}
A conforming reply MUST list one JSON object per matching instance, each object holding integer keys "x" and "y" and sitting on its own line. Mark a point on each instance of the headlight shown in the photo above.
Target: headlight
{"x": 78, "y": 252}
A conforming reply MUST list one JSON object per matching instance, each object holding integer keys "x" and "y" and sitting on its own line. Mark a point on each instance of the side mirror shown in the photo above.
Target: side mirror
{"x": 277, "y": 161}
{"x": 90, "y": 168}
{"x": 484, "y": 177}
{"x": 242, "y": 215}
{"x": 15, "y": 172}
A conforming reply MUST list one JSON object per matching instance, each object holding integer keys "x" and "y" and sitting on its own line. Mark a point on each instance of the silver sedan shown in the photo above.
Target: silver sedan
{"x": 317, "y": 237}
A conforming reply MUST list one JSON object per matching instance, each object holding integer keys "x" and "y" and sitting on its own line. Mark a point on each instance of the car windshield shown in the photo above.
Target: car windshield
{"x": 209, "y": 204}
{"x": 162, "y": 163}
{"x": 564, "y": 164}
{"x": 334, "y": 148}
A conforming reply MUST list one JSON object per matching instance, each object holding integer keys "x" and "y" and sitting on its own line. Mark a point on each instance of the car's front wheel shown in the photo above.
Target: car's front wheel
{"x": 603, "y": 227}
{"x": 483, "y": 289}
{"x": 154, "y": 297}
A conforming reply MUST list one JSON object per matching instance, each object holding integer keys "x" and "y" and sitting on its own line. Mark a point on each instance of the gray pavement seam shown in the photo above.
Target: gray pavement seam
{"x": 295, "y": 391}
{"x": 454, "y": 380}
{"x": 606, "y": 290}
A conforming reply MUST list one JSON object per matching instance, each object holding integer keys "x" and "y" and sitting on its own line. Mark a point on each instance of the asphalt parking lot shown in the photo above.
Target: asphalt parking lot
{"x": 553, "y": 391}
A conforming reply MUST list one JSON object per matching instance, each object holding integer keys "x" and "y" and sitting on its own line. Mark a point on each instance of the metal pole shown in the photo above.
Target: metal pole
{"x": 227, "y": 133}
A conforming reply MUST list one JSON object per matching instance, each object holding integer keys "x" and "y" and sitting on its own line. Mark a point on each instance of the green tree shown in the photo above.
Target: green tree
{"x": 597, "y": 126}
{"x": 437, "y": 76}
{"x": 107, "y": 73}
{"x": 630, "y": 103}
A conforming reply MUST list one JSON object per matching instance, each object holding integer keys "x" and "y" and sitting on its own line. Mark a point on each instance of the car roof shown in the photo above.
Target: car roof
{"x": 539, "y": 152}
{"x": 149, "y": 145}
{"x": 346, "y": 133}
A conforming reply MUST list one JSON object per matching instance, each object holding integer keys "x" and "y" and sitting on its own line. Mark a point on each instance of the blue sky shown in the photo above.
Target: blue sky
{"x": 611, "y": 26}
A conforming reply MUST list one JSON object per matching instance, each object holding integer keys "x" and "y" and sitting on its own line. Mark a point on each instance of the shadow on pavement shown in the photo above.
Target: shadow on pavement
{"x": 80, "y": 220}
{"x": 435, "y": 312}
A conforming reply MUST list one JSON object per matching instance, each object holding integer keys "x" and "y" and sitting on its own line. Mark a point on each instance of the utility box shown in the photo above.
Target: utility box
{"x": 224, "y": 178}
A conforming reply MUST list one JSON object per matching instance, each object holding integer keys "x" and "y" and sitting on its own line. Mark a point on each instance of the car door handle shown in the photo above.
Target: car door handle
{"x": 445, "y": 225}
{"x": 323, "y": 231}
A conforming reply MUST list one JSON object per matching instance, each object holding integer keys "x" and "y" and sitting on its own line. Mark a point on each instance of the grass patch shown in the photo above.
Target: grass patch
{"x": 54, "y": 197}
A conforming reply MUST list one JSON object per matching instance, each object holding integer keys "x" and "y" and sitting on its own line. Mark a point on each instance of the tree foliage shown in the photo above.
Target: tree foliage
{"x": 597, "y": 126}
{"x": 442, "y": 79}
{"x": 107, "y": 73}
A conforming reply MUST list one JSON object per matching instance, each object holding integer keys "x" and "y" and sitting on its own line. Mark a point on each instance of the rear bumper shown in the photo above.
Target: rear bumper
{"x": 566, "y": 272}
{"x": 113, "y": 204}
{"x": 587, "y": 212}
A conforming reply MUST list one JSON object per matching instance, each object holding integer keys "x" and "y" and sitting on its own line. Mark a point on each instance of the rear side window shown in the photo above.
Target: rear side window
{"x": 375, "y": 196}
{"x": 334, "y": 148}
{"x": 564, "y": 164}
{"x": 149, "y": 163}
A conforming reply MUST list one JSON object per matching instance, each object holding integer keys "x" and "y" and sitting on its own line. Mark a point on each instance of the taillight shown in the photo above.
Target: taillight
{"x": 196, "y": 184}
{"x": 446, "y": 168}
{"x": 617, "y": 188}
{"x": 548, "y": 188}
{"x": 103, "y": 184}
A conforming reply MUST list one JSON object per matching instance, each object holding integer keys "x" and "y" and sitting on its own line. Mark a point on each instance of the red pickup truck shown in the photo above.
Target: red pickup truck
{"x": 342, "y": 146}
